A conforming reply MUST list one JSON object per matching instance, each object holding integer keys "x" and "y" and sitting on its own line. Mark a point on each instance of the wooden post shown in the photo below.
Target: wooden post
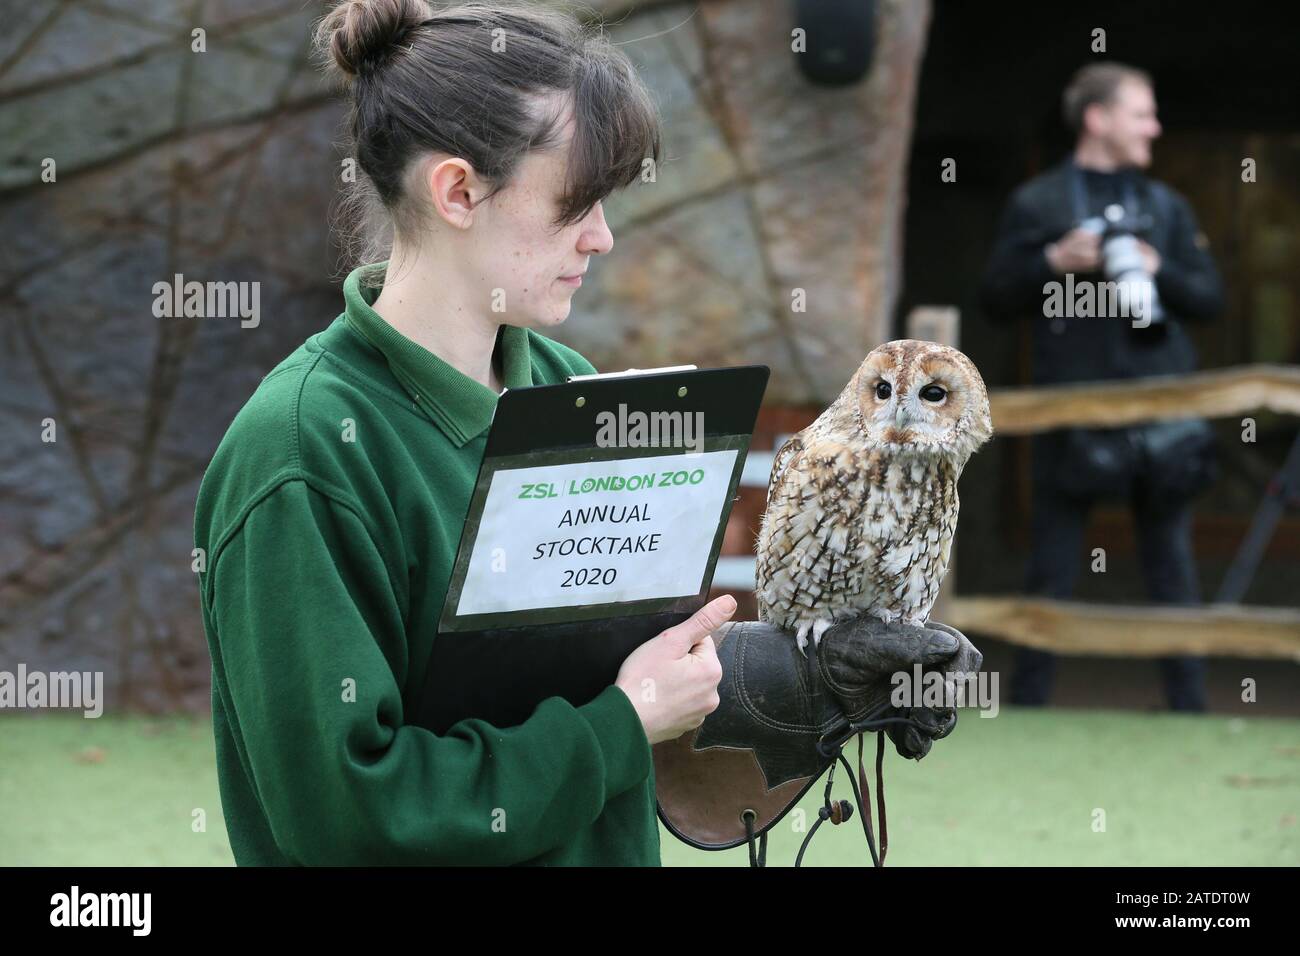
{"x": 934, "y": 323}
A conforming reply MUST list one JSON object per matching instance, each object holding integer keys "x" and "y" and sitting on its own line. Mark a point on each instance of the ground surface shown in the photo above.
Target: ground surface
{"x": 1020, "y": 788}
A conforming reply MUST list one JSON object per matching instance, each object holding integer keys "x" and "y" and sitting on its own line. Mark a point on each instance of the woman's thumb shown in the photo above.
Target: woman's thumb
{"x": 701, "y": 624}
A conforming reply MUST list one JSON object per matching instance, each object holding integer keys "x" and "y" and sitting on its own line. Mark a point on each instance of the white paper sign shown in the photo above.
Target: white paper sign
{"x": 596, "y": 532}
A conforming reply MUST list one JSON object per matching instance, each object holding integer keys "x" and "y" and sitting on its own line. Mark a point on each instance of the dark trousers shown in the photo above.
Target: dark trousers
{"x": 1057, "y": 551}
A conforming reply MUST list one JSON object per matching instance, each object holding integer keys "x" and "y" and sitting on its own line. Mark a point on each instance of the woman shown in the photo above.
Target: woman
{"x": 332, "y": 510}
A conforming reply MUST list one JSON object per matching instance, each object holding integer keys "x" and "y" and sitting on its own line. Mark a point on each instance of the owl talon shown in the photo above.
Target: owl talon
{"x": 817, "y": 630}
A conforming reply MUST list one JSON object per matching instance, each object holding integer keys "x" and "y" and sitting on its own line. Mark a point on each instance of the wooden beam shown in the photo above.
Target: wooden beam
{"x": 1068, "y": 627}
{"x": 1219, "y": 393}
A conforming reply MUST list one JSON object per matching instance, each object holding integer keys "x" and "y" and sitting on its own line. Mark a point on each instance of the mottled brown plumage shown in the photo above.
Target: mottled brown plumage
{"x": 862, "y": 504}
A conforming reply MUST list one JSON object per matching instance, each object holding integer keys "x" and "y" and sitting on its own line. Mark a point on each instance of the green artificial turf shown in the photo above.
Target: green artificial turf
{"x": 1020, "y": 788}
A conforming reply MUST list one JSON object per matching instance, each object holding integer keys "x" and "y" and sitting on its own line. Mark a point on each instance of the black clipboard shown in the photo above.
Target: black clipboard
{"x": 498, "y": 665}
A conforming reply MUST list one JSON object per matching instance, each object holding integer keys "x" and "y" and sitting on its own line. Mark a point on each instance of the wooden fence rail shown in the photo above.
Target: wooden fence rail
{"x": 1219, "y": 393}
{"x": 1068, "y": 627}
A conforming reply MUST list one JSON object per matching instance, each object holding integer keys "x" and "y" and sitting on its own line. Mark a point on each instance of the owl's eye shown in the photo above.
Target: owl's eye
{"x": 883, "y": 391}
{"x": 933, "y": 393}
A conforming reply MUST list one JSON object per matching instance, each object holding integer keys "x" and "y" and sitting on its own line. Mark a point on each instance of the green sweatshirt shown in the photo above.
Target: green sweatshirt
{"x": 329, "y": 520}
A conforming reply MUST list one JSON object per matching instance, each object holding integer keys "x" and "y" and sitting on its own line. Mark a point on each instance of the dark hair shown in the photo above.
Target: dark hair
{"x": 461, "y": 79}
{"x": 1096, "y": 83}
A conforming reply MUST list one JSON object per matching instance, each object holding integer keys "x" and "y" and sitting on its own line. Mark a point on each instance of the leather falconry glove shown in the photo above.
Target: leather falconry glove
{"x": 857, "y": 660}
{"x": 782, "y": 718}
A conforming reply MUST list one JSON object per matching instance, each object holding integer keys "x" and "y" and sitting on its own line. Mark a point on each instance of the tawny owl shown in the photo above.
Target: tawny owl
{"x": 862, "y": 504}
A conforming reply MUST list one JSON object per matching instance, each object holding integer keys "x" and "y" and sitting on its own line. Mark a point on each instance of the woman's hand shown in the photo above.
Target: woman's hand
{"x": 672, "y": 679}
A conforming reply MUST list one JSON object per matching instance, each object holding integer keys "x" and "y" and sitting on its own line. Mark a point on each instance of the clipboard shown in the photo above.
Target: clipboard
{"x": 495, "y": 657}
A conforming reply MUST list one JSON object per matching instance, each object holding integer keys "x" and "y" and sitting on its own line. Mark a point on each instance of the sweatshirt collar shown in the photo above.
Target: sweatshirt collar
{"x": 457, "y": 404}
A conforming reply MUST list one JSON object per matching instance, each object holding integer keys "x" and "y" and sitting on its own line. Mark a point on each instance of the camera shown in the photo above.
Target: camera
{"x": 1123, "y": 265}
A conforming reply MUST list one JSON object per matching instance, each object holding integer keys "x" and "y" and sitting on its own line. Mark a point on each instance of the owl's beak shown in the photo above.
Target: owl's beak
{"x": 900, "y": 418}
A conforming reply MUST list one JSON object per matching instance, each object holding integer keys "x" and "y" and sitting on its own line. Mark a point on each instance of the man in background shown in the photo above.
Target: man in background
{"x": 1054, "y": 240}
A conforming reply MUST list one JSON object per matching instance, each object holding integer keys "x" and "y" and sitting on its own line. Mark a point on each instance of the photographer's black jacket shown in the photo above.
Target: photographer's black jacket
{"x": 1073, "y": 349}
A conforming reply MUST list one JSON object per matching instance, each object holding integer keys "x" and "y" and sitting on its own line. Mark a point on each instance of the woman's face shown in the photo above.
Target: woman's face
{"x": 529, "y": 270}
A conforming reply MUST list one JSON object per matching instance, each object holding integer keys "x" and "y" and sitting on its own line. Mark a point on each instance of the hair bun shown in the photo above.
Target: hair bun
{"x": 361, "y": 34}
